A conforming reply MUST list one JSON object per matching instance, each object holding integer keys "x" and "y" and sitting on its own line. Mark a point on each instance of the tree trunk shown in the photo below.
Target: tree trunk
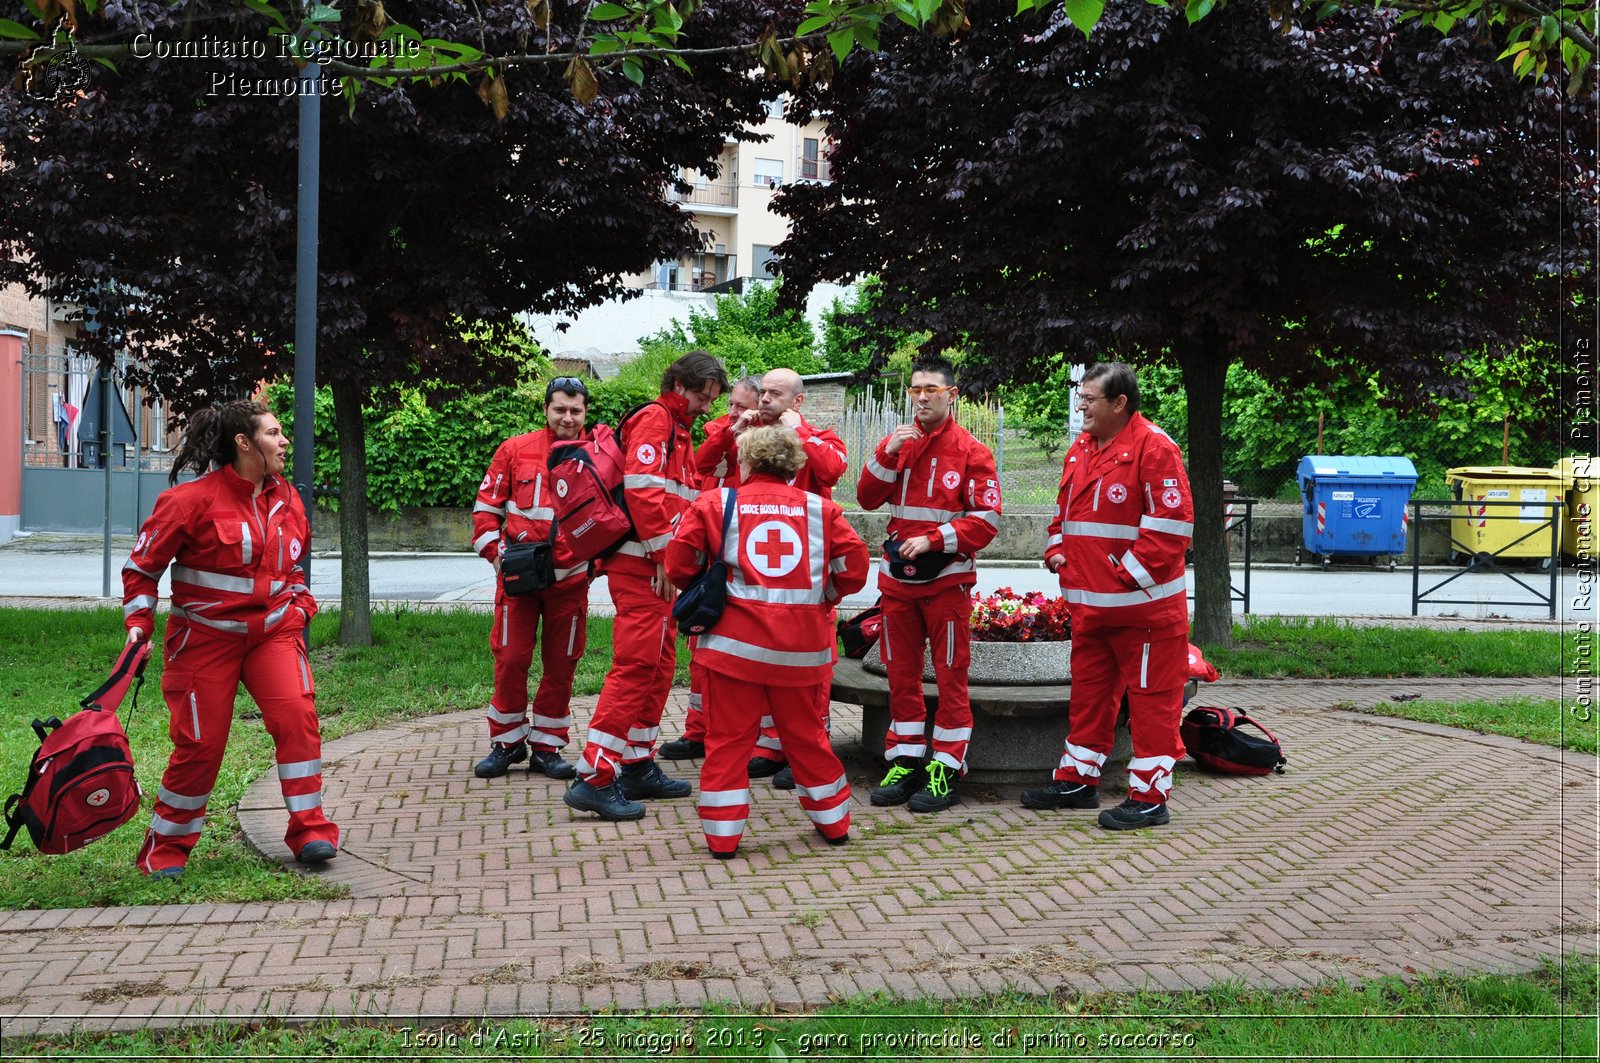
{"x": 355, "y": 582}
{"x": 1205, "y": 374}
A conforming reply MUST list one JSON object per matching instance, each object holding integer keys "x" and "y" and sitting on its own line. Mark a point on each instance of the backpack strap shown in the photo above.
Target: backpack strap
{"x": 1239, "y": 718}
{"x": 622, "y": 422}
{"x": 128, "y": 669}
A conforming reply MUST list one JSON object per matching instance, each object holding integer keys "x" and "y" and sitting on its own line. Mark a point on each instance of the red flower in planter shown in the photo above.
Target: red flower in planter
{"x": 1006, "y": 616}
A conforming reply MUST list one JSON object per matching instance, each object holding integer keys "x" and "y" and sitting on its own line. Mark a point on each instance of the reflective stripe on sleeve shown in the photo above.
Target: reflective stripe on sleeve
{"x": 1184, "y": 528}
{"x": 484, "y": 540}
{"x": 881, "y": 473}
{"x": 484, "y": 507}
{"x": 1136, "y": 569}
{"x": 133, "y": 605}
{"x": 129, "y": 565}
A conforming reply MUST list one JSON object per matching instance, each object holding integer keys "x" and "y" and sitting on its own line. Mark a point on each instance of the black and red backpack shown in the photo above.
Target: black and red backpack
{"x": 1214, "y": 738}
{"x": 81, "y": 784}
{"x": 586, "y": 477}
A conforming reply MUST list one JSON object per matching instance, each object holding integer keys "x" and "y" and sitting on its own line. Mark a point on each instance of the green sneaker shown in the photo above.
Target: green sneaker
{"x": 903, "y": 780}
{"x": 939, "y": 793}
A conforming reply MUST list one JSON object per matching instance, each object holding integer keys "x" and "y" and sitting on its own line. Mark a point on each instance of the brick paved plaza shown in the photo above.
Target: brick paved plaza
{"x": 1389, "y": 848}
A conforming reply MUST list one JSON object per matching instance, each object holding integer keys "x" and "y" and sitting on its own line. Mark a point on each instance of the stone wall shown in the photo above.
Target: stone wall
{"x": 1021, "y": 538}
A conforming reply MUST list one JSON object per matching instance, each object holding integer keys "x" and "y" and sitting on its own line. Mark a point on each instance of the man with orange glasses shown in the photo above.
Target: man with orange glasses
{"x": 944, "y": 496}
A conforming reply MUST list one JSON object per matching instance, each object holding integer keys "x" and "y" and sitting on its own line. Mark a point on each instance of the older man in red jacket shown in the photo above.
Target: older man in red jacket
{"x": 944, "y": 506}
{"x": 1123, "y": 523}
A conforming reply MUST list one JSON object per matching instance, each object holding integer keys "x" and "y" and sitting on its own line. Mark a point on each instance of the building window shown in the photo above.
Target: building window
{"x": 775, "y": 108}
{"x": 761, "y": 261}
{"x": 767, "y": 173}
{"x": 812, "y": 166}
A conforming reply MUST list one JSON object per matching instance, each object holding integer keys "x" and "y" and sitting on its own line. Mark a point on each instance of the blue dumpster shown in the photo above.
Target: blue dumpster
{"x": 1354, "y": 507}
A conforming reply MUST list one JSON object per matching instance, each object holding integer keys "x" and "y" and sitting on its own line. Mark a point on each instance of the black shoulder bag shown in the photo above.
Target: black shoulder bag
{"x": 699, "y": 607}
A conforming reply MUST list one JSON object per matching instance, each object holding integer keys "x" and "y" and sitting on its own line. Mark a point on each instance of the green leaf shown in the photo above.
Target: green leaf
{"x": 607, "y": 12}
{"x": 1196, "y": 10}
{"x": 1085, "y": 14}
{"x": 320, "y": 13}
{"x": 261, "y": 7}
{"x": 1552, "y": 28}
{"x": 604, "y": 45}
{"x": 17, "y": 31}
{"x": 633, "y": 69}
{"x": 812, "y": 25}
{"x": 108, "y": 64}
{"x": 841, "y": 41}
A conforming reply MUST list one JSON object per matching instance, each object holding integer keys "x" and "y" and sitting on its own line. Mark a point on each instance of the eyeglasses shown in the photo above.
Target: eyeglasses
{"x": 916, "y": 391}
{"x": 569, "y": 385}
{"x": 1088, "y": 400}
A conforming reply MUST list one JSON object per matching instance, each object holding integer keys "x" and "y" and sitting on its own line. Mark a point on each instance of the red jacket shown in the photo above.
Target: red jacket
{"x": 658, "y": 481}
{"x": 235, "y": 558}
{"x": 1124, "y": 516}
{"x": 791, "y": 555}
{"x": 718, "y": 458}
{"x": 514, "y": 502}
{"x": 944, "y": 486}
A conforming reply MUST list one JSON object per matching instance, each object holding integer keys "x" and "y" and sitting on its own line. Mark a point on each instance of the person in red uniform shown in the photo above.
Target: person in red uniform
{"x": 514, "y": 506}
{"x": 790, "y": 556}
{"x": 718, "y": 466}
{"x": 944, "y": 506}
{"x": 659, "y": 481}
{"x": 1123, "y": 521}
{"x": 240, "y": 606}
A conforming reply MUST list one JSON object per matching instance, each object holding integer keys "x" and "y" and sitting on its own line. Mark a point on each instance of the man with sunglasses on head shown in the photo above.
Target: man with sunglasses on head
{"x": 944, "y": 506}
{"x": 514, "y": 506}
{"x": 1123, "y": 522}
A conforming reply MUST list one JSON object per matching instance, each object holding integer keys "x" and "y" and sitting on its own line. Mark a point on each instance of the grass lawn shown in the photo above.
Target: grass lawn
{"x": 1545, "y": 1015}
{"x": 424, "y": 663}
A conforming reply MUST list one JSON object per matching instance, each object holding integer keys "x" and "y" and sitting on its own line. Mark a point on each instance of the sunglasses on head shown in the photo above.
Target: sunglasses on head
{"x": 569, "y": 385}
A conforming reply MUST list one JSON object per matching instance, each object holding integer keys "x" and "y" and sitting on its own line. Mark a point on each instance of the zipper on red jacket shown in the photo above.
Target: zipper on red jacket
{"x": 933, "y": 472}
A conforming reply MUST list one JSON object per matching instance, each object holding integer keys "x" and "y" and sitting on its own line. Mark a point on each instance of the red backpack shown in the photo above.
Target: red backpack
{"x": 591, "y": 513}
{"x": 81, "y": 784}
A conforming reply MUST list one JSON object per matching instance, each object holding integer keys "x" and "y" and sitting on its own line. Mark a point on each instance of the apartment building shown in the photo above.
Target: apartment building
{"x": 733, "y": 214}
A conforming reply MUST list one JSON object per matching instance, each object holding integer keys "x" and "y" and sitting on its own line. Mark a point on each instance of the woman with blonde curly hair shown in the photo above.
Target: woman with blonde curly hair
{"x": 790, "y": 555}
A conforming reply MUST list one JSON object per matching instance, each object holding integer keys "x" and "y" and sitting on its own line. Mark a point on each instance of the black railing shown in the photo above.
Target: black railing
{"x": 1480, "y": 559}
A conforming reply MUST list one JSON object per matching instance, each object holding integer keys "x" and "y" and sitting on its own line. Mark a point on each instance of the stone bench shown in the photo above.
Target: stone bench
{"x": 1017, "y": 731}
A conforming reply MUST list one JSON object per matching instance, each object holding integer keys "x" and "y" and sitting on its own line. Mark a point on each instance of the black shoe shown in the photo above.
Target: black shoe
{"x": 784, "y": 780}
{"x": 938, "y": 794}
{"x": 761, "y": 767}
{"x": 317, "y": 853}
{"x": 1131, "y": 815}
{"x": 729, "y": 855}
{"x": 899, "y": 784}
{"x": 1062, "y": 795}
{"x": 549, "y": 762}
{"x": 646, "y": 779}
{"x": 843, "y": 839}
{"x": 682, "y": 749}
{"x": 607, "y": 802}
{"x": 500, "y": 759}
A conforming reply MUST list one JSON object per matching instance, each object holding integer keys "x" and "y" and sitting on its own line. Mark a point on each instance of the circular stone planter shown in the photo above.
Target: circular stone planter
{"x": 1001, "y": 663}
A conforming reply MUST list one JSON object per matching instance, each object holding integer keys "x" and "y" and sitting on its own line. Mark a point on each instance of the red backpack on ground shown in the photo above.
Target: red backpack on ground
{"x": 586, "y": 478}
{"x": 1213, "y": 738}
{"x": 81, "y": 784}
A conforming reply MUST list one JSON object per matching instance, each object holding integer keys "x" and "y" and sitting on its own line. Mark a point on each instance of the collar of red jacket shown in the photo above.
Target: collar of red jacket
{"x": 244, "y": 488}
{"x": 678, "y": 406}
{"x": 765, "y": 478}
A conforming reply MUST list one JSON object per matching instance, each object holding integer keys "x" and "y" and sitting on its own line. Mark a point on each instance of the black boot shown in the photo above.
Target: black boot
{"x": 500, "y": 759}
{"x": 905, "y": 777}
{"x": 1058, "y": 794}
{"x": 607, "y": 802}
{"x": 646, "y": 779}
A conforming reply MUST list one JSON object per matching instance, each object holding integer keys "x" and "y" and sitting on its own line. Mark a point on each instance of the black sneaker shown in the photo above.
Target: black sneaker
{"x": 1062, "y": 795}
{"x": 761, "y": 767}
{"x": 607, "y": 802}
{"x": 646, "y": 779}
{"x": 899, "y": 784}
{"x": 548, "y": 762}
{"x": 682, "y": 749}
{"x": 500, "y": 759}
{"x": 317, "y": 853}
{"x": 1131, "y": 815}
{"x": 784, "y": 780}
{"x": 938, "y": 793}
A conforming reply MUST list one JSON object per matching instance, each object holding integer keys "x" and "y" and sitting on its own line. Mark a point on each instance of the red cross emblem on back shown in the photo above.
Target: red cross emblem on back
{"x": 773, "y": 548}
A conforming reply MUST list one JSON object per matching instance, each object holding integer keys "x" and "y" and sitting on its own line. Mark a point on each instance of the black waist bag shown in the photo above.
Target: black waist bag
{"x": 1215, "y": 738}
{"x": 924, "y": 568}
{"x": 699, "y": 607}
{"x": 526, "y": 568}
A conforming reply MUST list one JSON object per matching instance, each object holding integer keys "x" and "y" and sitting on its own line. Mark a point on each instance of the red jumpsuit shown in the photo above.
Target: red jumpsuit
{"x": 944, "y": 486}
{"x": 790, "y": 556}
{"x": 659, "y": 481}
{"x": 718, "y": 462}
{"x": 514, "y": 506}
{"x": 240, "y": 606}
{"x": 1123, "y": 521}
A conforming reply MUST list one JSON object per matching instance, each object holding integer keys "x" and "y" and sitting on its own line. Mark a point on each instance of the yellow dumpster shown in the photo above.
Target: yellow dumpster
{"x": 1496, "y": 529}
{"x": 1581, "y": 478}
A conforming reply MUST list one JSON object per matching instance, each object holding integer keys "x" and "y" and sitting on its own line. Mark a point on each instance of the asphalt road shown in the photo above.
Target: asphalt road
{"x": 37, "y": 567}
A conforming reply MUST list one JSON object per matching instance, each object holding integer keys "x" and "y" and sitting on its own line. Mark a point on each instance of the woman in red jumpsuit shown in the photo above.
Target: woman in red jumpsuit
{"x": 790, "y": 555}
{"x": 240, "y": 606}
